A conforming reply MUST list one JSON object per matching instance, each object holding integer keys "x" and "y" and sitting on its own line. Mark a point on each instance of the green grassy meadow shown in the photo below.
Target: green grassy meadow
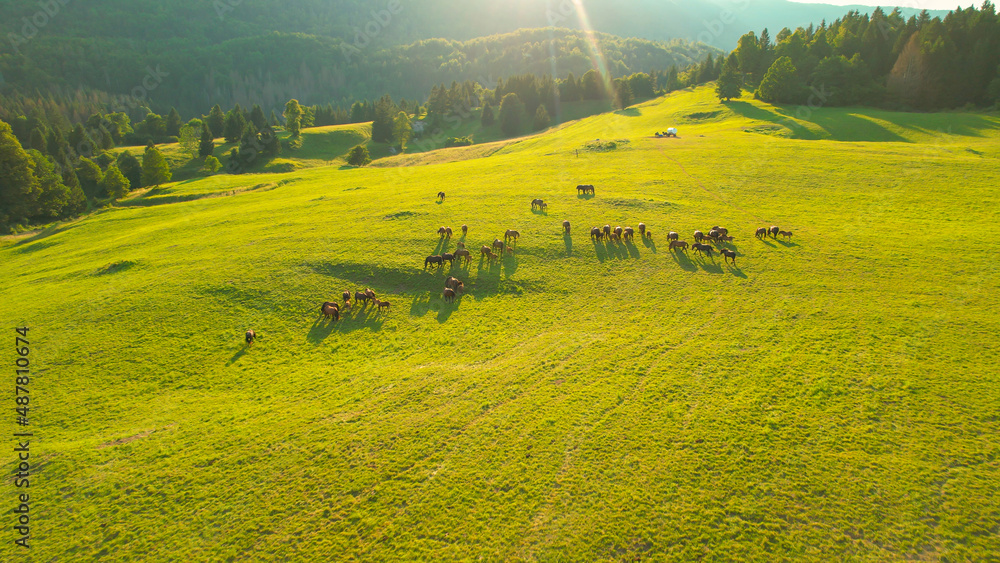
{"x": 833, "y": 397}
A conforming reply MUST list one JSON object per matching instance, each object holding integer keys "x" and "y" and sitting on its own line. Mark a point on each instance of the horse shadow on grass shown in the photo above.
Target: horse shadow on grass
{"x": 683, "y": 260}
{"x": 585, "y": 196}
{"x": 736, "y": 271}
{"x": 541, "y": 212}
{"x": 786, "y": 243}
{"x": 509, "y": 264}
{"x": 632, "y": 250}
{"x": 648, "y": 243}
{"x": 237, "y": 355}
{"x": 568, "y": 241}
{"x": 712, "y": 267}
{"x": 600, "y": 250}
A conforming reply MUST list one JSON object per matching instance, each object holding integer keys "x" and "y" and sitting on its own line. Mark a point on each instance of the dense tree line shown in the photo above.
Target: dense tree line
{"x": 883, "y": 60}
{"x": 268, "y": 70}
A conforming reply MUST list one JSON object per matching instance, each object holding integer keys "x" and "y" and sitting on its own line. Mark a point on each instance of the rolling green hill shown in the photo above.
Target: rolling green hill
{"x": 828, "y": 397}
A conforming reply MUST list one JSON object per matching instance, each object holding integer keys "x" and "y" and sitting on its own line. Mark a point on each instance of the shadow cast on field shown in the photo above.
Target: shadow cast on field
{"x": 683, "y": 260}
{"x": 568, "y": 241}
{"x": 237, "y": 355}
{"x": 541, "y": 212}
{"x": 736, "y": 271}
{"x": 648, "y": 243}
{"x": 585, "y": 196}
{"x": 787, "y": 244}
{"x": 632, "y": 250}
{"x": 600, "y": 250}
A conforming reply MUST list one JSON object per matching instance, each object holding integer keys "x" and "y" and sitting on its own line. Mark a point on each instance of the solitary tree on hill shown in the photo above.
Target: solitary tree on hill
{"x": 155, "y": 169}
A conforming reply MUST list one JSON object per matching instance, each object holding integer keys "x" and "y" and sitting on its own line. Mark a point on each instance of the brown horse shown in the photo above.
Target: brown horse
{"x": 441, "y": 196}
{"x": 618, "y": 231}
{"x": 330, "y": 309}
{"x": 449, "y": 295}
{"x": 642, "y": 230}
{"x": 774, "y": 231}
{"x": 442, "y": 230}
{"x": 451, "y": 282}
{"x": 536, "y": 204}
{"x": 460, "y": 244}
{"x": 465, "y": 229}
{"x": 673, "y": 236}
{"x": 683, "y": 245}
{"x": 566, "y": 226}
{"x": 649, "y": 235}
{"x": 463, "y": 254}
{"x": 595, "y": 233}
{"x": 447, "y": 232}
{"x": 370, "y": 293}
{"x": 347, "y": 296}
{"x": 484, "y": 250}
{"x": 629, "y": 233}
{"x": 786, "y": 234}
{"x": 703, "y": 248}
{"x": 728, "y": 255}
{"x": 607, "y": 230}
{"x": 699, "y": 236}
{"x": 432, "y": 260}
{"x": 448, "y": 257}
{"x": 493, "y": 257}
{"x": 250, "y": 336}
{"x": 383, "y": 305}
{"x": 498, "y": 244}
{"x": 511, "y": 235}
{"x": 761, "y": 233}
{"x": 358, "y": 296}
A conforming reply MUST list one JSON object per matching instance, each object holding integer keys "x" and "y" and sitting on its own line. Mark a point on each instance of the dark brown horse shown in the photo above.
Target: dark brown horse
{"x": 642, "y": 230}
{"x": 347, "y": 296}
{"x": 451, "y": 282}
{"x": 673, "y": 236}
{"x": 774, "y": 231}
{"x": 683, "y": 245}
{"x": 703, "y": 248}
{"x": 699, "y": 236}
{"x": 728, "y": 255}
{"x": 441, "y": 196}
{"x": 566, "y": 226}
{"x": 330, "y": 309}
{"x": 383, "y": 305}
{"x": 607, "y": 231}
{"x": 250, "y": 336}
{"x": 358, "y": 296}
{"x": 448, "y": 257}
{"x": 761, "y": 233}
{"x": 629, "y": 233}
{"x": 786, "y": 234}
{"x": 511, "y": 235}
{"x": 596, "y": 234}
{"x": 449, "y": 295}
{"x": 432, "y": 260}
{"x": 498, "y": 244}
{"x": 465, "y": 229}
{"x": 463, "y": 253}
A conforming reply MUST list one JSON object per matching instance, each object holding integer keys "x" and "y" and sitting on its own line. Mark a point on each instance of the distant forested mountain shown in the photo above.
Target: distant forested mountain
{"x": 270, "y": 69}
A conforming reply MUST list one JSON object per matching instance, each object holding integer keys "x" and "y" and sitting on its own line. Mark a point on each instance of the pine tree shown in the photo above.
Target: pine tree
{"x": 542, "y": 120}
{"x": 130, "y": 167}
{"x": 358, "y": 156}
{"x": 623, "y": 94}
{"x": 155, "y": 170}
{"x": 19, "y": 187}
{"x": 730, "y": 84}
{"x": 207, "y": 145}
{"x": 216, "y": 121}
{"x": 257, "y": 117}
{"x": 90, "y": 176}
{"x": 293, "y": 117}
{"x": 173, "y": 124}
{"x": 115, "y": 183}
{"x": 274, "y": 120}
{"x": 235, "y": 125}
{"x": 510, "y": 114}
{"x": 385, "y": 112}
{"x": 780, "y": 84}
{"x": 487, "y": 119}
{"x": 402, "y": 129}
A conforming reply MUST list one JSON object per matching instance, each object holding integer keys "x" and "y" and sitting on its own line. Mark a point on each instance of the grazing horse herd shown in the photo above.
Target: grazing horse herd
{"x": 453, "y": 287}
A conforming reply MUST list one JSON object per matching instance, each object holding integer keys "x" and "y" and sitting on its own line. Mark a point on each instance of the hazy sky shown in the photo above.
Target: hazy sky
{"x": 918, "y": 4}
